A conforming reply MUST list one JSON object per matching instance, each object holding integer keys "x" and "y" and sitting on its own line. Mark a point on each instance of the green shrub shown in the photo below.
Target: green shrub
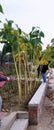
{"x": 52, "y": 63}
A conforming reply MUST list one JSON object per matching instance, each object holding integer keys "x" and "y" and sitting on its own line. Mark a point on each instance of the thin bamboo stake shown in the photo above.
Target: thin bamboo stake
{"x": 18, "y": 81}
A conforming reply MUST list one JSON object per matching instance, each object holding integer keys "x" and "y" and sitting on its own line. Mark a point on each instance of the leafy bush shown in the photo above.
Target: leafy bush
{"x": 52, "y": 63}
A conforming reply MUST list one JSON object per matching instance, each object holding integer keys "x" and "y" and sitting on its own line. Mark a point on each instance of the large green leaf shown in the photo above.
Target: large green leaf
{"x": 52, "y": 41}
{"x": 1, "y": 9}
{"x": 41, "y": 34}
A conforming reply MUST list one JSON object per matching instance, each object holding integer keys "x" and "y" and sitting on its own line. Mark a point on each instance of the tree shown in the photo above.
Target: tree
{"x": 10, "y": 38}
{"x": 35, "y": 40}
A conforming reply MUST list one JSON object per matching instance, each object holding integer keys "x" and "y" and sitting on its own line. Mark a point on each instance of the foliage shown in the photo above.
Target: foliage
{"x": 35, "y": 36}
{"x": 52, "y": 48}
{"x": 36, "y": 42}
{"x": 52, "y": 63}
{"x": 1, "y": 9}
{"x": 46, "y": 55}
{"x": 52, "y": 41}
{"x": 22, "y": 46}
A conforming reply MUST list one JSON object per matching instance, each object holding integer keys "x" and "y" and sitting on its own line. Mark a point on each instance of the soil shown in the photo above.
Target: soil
{"x": 10, "y": 97}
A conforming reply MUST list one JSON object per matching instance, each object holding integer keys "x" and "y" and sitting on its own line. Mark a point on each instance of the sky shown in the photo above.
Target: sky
{"x": 29, "y": 13}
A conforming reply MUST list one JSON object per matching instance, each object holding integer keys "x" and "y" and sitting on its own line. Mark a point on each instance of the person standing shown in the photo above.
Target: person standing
{"x": 44, "y": 70}
{"x": 4, "y": 78}
{"x": 39, "y": 70}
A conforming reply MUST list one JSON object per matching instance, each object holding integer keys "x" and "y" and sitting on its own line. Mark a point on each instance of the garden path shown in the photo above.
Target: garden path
{"x": 47, "y": 119}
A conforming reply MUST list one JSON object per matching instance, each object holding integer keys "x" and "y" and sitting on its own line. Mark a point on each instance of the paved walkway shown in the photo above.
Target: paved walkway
{"x": 47, "y": 119}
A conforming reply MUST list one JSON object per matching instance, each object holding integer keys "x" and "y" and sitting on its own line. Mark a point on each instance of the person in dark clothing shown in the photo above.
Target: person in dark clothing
{"x": 39, "y": 70}
{"x": 44, "y": 70}
{"x": 4, "y": 78}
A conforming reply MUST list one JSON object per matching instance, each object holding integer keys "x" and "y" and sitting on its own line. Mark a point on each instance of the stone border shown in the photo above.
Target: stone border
{"x": 36, "y": 104}
{"x": 8, "y": 121}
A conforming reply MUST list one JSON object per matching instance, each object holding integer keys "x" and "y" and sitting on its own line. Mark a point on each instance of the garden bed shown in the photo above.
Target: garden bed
{"x": 10, "y": 97}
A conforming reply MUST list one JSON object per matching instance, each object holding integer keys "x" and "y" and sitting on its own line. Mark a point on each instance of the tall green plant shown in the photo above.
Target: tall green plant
{"x": 10, "y": 37}
{"x": 35, "y": 40}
